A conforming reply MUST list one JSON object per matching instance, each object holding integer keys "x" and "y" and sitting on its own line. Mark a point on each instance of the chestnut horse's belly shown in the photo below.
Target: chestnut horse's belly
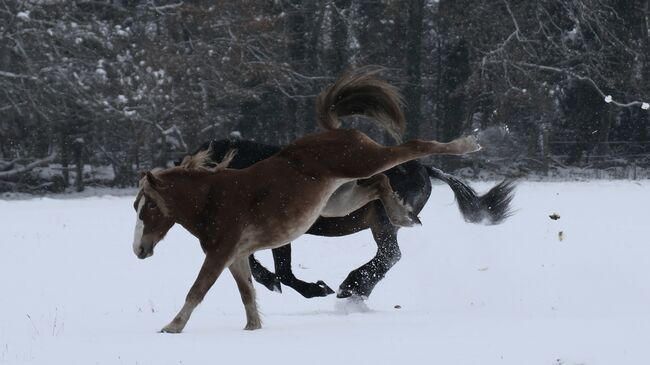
{"x": 283, "y": 211}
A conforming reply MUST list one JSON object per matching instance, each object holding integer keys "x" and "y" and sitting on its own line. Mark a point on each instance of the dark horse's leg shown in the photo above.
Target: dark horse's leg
{"x": 284, "y": 275}
{"x": 263, "y": 276}
{"x": 282, "y": 259}
{"x": 361, "y": 281}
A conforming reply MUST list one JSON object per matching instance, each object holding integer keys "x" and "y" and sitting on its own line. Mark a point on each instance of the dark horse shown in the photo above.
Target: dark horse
{"x": 411, "y": 182}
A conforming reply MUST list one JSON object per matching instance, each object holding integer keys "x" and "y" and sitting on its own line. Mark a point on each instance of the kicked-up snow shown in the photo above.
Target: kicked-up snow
{"x": 73, "y": 292}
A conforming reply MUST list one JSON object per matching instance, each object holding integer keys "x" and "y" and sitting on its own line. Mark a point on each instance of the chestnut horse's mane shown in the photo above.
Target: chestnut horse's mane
{"x": 202, "y": 160}
{"x": 199, "y": 161}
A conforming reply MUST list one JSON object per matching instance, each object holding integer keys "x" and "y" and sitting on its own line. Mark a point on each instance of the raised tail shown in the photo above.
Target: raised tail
{"x": 360, "y": 92}
{"x": 492, "y": 208}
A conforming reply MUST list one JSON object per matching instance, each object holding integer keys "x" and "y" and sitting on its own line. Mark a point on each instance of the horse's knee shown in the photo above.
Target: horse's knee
{"x": 247, "y": 295}
{"x": 389, "y": 255}
{"x": 395, "y": 255}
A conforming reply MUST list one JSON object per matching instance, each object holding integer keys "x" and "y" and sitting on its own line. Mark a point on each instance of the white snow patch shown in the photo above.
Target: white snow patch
{"x": 572, "y": 34}
{"x": 608, "y": 99}
{"x": 645, "y": 106}
{"x": 351, "y": 305}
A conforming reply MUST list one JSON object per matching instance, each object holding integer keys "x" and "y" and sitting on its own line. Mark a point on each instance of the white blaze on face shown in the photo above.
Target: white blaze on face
{"x": 139, "y": 227}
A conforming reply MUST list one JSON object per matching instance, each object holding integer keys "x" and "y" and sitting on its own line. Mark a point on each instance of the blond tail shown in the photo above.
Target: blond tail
{"x": 360, "y": 92}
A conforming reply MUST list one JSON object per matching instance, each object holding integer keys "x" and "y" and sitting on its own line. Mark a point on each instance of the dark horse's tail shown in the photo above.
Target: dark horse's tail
{"x": 360, "y": 92}
{"x": 491, "y": 208}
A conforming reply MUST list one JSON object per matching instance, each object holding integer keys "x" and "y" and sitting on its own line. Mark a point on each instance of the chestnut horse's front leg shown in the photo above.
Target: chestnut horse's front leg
{"x": 212, "y": 267}
{"x": 241, "y": 271}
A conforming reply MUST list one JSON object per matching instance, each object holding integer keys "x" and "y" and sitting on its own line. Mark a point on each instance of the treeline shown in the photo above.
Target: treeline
{"x": 132, "y": 84}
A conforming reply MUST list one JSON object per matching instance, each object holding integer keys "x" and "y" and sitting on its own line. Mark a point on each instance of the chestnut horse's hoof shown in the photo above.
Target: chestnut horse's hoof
{"x": 410, "y": 219}
{"x": 253, "y": 326}
{"x": 172, "y": 328}
{"x": 416, "y": 220}
{"x": 467, "y": 144}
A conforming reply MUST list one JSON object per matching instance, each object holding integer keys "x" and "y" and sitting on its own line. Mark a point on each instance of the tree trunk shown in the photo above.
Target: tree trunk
{"x": 339, "y": 32}
{"x": 77, "y": 148}
{"x": 65, "y": 158}
{"x": 296, "y": 36}
{"x": 602, "y": 148}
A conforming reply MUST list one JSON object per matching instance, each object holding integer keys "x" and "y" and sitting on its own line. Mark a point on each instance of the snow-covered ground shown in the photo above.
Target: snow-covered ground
{"x": 72, "y": 292}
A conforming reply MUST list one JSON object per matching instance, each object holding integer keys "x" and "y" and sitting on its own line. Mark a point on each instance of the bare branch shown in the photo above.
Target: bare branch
{"x": 29, "y": 167}
{"x": 588, "y": 80}
{"x": 16, "y": 76}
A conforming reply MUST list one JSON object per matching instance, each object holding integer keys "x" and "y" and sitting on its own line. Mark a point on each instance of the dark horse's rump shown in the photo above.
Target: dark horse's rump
{"x": 410, "y": 180}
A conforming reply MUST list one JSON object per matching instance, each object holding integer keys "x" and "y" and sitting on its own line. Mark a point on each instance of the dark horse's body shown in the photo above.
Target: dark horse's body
{"x": 410, "y": 180}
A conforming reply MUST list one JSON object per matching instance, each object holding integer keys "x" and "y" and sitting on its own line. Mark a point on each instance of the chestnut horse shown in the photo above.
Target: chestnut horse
{"x": 234, "y": 213}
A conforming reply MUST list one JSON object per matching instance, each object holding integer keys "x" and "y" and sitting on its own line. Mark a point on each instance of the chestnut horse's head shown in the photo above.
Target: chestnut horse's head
{"x": 153, "y": 219}
{"x": 153, "y": 213}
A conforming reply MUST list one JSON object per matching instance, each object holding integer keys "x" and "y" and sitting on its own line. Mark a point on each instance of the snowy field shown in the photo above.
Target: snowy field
{"x": 72, "y": 291}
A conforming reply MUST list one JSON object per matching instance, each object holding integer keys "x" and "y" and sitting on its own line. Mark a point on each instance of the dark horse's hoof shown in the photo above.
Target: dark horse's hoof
{"x": 359, "y": 283}
{"x": 317, "y": 289}
{"x": 272, "y": 283}
{"x": 350, "y": 291}
{"x": 347, "y": 293}
{"x": 344, "y": 293}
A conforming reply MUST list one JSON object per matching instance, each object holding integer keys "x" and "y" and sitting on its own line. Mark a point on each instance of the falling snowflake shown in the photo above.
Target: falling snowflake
{"x": 645, "y": 106}
{"x": 608, "y": 99}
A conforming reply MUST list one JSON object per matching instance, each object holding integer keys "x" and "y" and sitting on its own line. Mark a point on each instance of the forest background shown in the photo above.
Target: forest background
{"x": 104, "y": 89}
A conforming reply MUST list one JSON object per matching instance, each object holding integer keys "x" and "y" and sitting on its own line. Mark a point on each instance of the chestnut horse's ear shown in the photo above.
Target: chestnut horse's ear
{"x": 141, "y": 174}
{"x": 154, "y": 182}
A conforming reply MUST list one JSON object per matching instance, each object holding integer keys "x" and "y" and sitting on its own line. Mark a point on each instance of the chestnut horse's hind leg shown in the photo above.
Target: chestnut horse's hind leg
{"x": 355, "y": 194}
{"x": 399, "y": 213}
{"x": 368, "y": 158}
{"x": 212, "y": 267}
{"x": 375, "y": 158}
{"x": 241, "y": 271}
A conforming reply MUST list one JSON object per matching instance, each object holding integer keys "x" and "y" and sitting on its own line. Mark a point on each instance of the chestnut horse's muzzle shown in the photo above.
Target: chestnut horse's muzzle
{"x": 143, "y": 250}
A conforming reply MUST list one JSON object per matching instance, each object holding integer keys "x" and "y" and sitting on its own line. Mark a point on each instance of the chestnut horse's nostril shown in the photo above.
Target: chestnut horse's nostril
{"x": 143, "y": 253}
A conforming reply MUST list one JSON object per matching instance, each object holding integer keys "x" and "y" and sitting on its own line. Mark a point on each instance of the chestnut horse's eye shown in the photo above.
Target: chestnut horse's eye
{"x": 150, "y": 204}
